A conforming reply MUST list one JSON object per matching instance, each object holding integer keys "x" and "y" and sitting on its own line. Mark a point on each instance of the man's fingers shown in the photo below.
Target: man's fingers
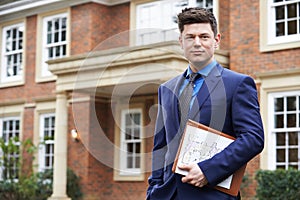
{"x": 184, "y": 167}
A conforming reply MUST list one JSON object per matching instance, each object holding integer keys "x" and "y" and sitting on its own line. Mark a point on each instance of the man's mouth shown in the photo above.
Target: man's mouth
{"x": 197, "y": 52}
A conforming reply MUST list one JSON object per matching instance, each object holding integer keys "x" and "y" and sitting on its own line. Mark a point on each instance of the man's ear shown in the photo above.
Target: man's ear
{"x": 217, "y": 40}
{"x": 180, "y": 41}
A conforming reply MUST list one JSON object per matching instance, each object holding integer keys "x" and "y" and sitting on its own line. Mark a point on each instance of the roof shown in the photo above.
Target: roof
{"x": 3, "y": 2}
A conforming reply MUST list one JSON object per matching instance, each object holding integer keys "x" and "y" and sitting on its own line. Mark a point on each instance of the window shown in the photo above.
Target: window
{"x": 46, "y": 152}
{"x": 12, "y": 53}
{"x": 285, "y": 129}
{"x": 131, "y": 141}
{"x": 285, "y": 20}
{"x": 54, "y": 40}
{"x": 156, "y": 21}
{"x": 279, "y": 24}
{"x": 10, "y": 134}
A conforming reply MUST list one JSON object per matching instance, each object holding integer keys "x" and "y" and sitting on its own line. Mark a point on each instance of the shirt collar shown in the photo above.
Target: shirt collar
{"x": 204, "y": 71}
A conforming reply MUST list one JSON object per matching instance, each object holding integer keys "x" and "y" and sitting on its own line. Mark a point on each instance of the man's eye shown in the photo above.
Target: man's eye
{"x": 189, "y": 37}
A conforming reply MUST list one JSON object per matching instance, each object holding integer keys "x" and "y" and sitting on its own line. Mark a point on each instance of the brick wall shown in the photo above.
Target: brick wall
{"x": 92, "y": 157}
{"x": 93, "y": 24}
{"x": 223, "y": 21}
{"x": 245, "y": 56}
{"x": 30, "y": 90}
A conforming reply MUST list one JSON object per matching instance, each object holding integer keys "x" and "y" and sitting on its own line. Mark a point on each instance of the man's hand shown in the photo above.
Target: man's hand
{"x": 195, "y": 176}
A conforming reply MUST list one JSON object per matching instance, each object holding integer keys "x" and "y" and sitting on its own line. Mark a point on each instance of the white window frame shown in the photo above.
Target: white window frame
{"x": 161, "y": 29}
{"x": 124, "y": 154}
{"x": 268, "y": 39}
{"x": 273, "y": 39}
{"x": 45, "y": 72}
{"x": 19, "y": 76}
{"x": 43, "y": 143}
{"x": 272, "y": 158}
{"x": 2, "y": 120}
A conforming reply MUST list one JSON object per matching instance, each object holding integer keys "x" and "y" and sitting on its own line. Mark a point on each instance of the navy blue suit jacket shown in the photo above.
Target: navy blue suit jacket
{"x": 227, "y": 101}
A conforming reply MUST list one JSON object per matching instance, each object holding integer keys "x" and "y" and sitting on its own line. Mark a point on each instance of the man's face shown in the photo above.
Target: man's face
{"x": 198, "y": 43}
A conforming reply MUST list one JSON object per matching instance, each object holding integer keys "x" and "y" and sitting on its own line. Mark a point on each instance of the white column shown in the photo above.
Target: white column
{"x": 60, "y": 149}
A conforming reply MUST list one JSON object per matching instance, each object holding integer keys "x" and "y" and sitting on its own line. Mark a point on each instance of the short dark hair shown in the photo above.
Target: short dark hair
{"x": 197, "y": 15}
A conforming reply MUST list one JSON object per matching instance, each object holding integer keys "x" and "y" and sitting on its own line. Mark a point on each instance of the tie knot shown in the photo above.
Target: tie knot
{"x": 193, "y": 77}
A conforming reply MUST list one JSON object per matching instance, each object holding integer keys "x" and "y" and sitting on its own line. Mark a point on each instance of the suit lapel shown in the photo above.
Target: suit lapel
{"x": 178, "y": 85}
{"x": 208, "y": 86}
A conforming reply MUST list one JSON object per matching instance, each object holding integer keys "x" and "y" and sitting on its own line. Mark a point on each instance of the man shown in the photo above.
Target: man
{"x": 221, "y": 99}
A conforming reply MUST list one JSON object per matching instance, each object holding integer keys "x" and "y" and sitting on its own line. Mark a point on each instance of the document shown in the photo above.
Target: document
{"x": 199, "y": 143}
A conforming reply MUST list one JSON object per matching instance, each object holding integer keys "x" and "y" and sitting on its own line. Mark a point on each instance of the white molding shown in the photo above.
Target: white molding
{"x": 21, "y": 6}
{"x": 273, "y": 82}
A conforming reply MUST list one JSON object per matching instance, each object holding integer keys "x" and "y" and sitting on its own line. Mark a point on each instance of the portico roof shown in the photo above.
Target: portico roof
{"x": 124, "y": 69}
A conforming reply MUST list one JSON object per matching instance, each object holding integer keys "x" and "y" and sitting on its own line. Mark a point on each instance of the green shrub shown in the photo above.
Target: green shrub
{"x": 37, "y": 186}
{"x": 278, "y": 184}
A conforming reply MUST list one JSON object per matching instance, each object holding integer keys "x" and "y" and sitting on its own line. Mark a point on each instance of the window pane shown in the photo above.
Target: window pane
{"x": 17, "y": 124}
{"x": 293, "y": 155}
{"x": 137, "y": 162}
{"x": 293, "y": 138}
{"x": 49, "y": 26}
{"x": 209, "y": 3}
{"x": 64, "y": 23}
{"x": 137, "y": 147}
{"x": 57, "y": 51}
{"x": 56, "y": 35}
{"x": 291, "y": 120}
{"x": 280, "y": 167}
{"x": 293, "y": 166}
{"x": 280, "y": 139}
{"x": 280, "y": 155}
{"x": 49, "y": 38}
{"x": 292, "y": 10}
{"x": 128, "y": 119}
{"x": 47, "y": 161}
{"x": 128, "y": 134}
{"x": 137, "y": 118}
{"x": 280, "y": 29}
{"x": 50, "y": 52}
{"x": 64, "y": 50}
{"x": 278, "y": 121}
{"x": 48, "y": 148}
{"x": 200, "y": 3}
{"x": 291, "y": 103}
{"x": 292, "y": 27}
{"x": 63, "y": 36}
{"x": 136, "y": 133}
{"x": 279, "y": 12}
{"x": 130, "y": 147}
{"x": 129, "y": 161}
{"x": 56, "y": 24}
{"x": 278, "y": 104}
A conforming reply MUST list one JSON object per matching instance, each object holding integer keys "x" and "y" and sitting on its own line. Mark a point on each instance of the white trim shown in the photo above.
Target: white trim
{"x": 20, "y": 6}
{"x": 272, "y": 38}
{"x": 124, "y": 171}
{"x": 44, "y": 71}
{"x": 157, "y": 30}
{"x": 2, "y": 119}
{"x": 4, "y": 78}
{"x": 42, "y": 149}
{"x": 271, "y": 145}
{"x": 268, "y": 39}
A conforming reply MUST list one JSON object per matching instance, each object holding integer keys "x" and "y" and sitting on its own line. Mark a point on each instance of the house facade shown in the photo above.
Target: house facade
{"x": 92, "y": 67}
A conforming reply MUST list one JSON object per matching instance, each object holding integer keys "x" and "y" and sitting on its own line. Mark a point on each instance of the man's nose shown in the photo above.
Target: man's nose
{"x": 197, "y": 41}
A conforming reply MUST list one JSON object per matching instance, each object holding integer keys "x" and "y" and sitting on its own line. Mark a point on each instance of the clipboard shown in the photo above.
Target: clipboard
{"x": 194, "y": 149}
